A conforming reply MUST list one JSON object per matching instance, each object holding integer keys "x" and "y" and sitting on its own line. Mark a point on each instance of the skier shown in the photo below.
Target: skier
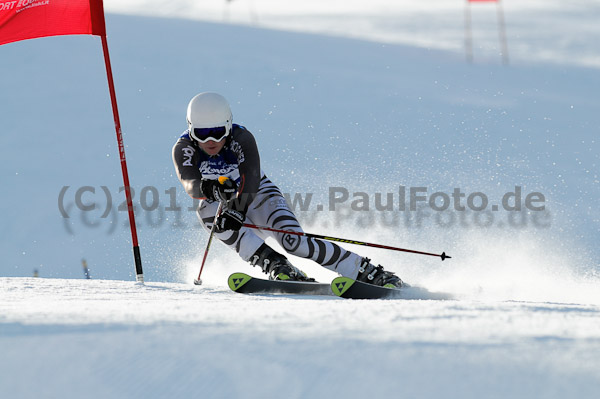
{"x": 212, "y": 147}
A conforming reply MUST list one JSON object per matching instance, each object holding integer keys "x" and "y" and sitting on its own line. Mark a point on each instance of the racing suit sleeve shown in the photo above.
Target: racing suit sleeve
{"x": 185, "y": 159}
{"x": 244, "y": 146}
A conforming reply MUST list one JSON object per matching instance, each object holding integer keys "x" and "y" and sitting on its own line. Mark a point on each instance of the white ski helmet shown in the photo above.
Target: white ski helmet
{"x": 209, "y": 117}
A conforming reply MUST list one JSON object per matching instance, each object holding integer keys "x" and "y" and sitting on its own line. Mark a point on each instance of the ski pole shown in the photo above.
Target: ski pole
{"x": 198, "y": 281}
{"x": 346, "y": 241}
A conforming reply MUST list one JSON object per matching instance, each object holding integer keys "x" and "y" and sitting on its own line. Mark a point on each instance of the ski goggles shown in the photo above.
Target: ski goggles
{"x": 204, "y": 134}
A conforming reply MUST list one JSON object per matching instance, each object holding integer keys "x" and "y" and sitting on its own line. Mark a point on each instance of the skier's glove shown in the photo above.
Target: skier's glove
{"x": 221, "y": 189}
{"x": 229, "y": 219}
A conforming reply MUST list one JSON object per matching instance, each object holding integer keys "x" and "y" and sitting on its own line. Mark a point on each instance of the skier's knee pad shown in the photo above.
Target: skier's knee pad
{"x": 292, "y": 244}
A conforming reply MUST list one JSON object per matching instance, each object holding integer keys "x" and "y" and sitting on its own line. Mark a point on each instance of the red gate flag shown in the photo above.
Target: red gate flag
{"x": 28, "y": 19}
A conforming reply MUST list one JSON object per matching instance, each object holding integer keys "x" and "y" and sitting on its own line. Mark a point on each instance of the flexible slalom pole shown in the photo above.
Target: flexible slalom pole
{"x": 502, "y": 32}
{"x": 346, "y": 241}
{"x": 468, "y": 33}
{"x": 134, "y": 238}
{"x": 198, "y": 281}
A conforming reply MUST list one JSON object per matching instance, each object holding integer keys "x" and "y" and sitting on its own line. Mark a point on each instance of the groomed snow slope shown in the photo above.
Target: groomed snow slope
{"x": 99, "y": 339}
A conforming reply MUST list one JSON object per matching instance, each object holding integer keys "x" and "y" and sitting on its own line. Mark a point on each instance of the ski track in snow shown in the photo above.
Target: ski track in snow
{"x": 101, "y": 338}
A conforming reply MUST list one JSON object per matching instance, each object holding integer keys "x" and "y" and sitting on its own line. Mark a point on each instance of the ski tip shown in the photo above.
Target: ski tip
{"x": 340, "y": 285}
{"x": 237, "y": 280}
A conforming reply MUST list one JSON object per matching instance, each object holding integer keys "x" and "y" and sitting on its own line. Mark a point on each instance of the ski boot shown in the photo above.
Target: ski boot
{"x": 276, "y": 265}
{"x": 367, "y": 273}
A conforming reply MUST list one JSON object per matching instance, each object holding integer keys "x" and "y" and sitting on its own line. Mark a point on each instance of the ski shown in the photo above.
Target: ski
{"x": 246, "y": 284}
{"x": 346, "y": 287}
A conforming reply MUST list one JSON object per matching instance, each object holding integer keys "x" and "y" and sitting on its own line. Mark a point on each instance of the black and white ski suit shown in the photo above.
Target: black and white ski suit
{"x": 263, "y": 204}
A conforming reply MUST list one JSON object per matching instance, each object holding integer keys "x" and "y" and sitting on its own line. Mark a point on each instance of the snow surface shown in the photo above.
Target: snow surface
{"x": 538, "y": 30}
{"x": 368, "y": 97}
{"x": 73, "y": 338}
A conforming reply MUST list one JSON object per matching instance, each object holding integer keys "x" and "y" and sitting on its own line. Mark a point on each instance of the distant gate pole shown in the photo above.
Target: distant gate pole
{"x": 501, "y": 30}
